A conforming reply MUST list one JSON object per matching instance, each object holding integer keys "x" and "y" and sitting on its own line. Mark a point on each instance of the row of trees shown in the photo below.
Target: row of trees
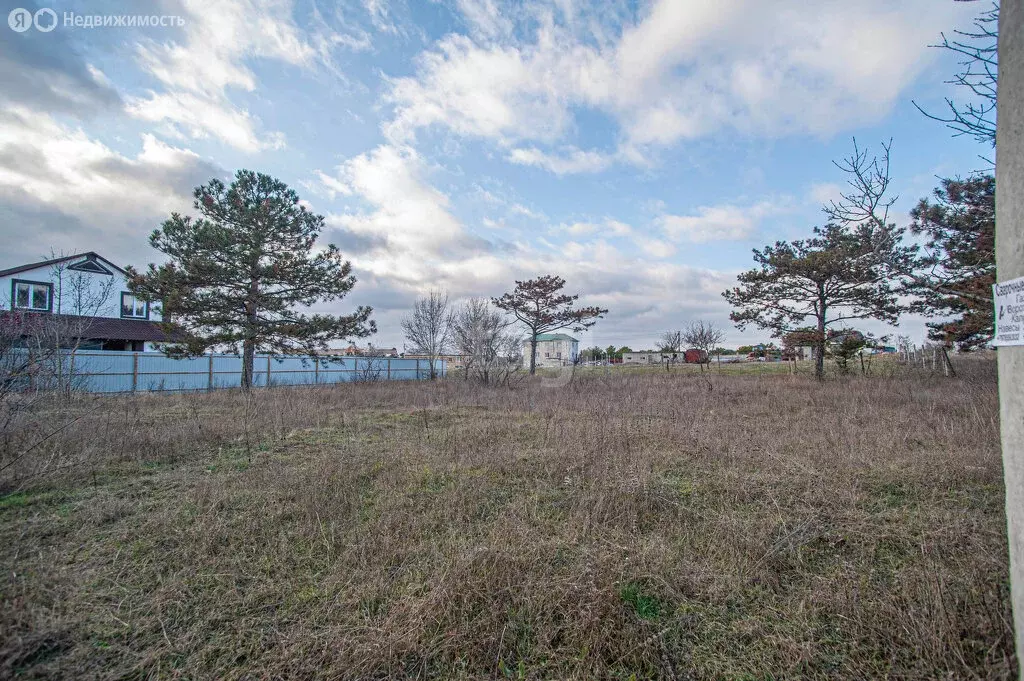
{"x": 610, "y": 353}
{"x": 477, "y": 331}
{"x": 482, "y": 331}
{"x": 239, "y": 277}
{"x": 699, "y": 335}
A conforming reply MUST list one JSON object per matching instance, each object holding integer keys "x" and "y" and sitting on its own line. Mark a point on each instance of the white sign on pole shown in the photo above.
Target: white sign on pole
{"x": 1008, "y": 298}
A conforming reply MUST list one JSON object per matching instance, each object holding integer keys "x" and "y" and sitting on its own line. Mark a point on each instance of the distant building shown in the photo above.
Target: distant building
{"x": 692, "y": 356}
{"x": 452, "y": 362}
{"x": 643, "y": 357}
{"x": 553, "y": 350}
{"x": 355, "y": 351}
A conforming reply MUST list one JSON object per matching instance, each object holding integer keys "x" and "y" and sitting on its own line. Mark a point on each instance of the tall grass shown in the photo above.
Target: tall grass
{"x": 629, "y": 525}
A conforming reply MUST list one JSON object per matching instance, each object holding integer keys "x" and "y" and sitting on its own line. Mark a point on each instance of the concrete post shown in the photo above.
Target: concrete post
{"x": 1010, "y": 264}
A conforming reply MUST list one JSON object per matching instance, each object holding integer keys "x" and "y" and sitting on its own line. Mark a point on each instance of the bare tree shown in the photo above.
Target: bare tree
{"x": 481, "y": 334}
{"x": 369, "y": 369}
{"x": 671, "y": 341}
{"x": 979, "y": 75}
{"x": 865, "y": 205}
{"x": 31, "y": 366}
{"x": 78, "y": 299}
{"x": 864, "y": 211}
{"x": 704, "y": 336}
{"x": 428, "y": 328}
{"x": 82, "y": 294}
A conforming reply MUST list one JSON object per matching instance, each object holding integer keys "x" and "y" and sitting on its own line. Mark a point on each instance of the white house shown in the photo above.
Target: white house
{"x": 91, "y": 294}
{"x": 553, "y": 350}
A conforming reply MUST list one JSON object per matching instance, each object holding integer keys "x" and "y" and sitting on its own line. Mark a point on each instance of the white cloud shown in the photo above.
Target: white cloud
{"x": 683, "y": 70}
{"x": 72, "y": 192}
{"x": 580, "y": 228}
{"x": 202, "y": 117}
{"x": 484, "y": 16}
{"x": 717, "y": 223}
{"x": 331, "y": 185}
{"x": 198, "y": 72}
{"x": 478, "y": 91}
{"x": 656, "y": 248}
{"x": 569, "y": 162}
{"x": 608, "y": 228}
{"x": 618, "y": 228}
{"x": 407, "y": 240}
{"x": 824, "y": 193}
{"x": 520, "y": 209}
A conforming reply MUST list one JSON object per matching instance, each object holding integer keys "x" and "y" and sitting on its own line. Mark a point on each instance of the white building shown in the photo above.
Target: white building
{"x": 653, "y": 357}
{"x": 553, "y": 350}
{"x": 88, "y": 292}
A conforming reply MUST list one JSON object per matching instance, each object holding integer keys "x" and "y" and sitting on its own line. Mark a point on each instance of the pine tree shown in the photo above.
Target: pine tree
{"x": 239, "y": 275}
{"x": 539, "y": 305}
{"x": 835, "y": 276}
{"x": 955, "y": 275}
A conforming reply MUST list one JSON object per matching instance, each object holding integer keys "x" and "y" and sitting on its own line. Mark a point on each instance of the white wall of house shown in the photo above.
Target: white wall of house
{"x": 553, "y": 353}
{"x": 61, "y": 289}
{"x": 651, "y": 357}
{"x": 75, "y": 292}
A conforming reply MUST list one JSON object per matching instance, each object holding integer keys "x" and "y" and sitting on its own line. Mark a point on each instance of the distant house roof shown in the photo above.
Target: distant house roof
{"x": 556, "y": 337}
{"x": 89, "y": 256}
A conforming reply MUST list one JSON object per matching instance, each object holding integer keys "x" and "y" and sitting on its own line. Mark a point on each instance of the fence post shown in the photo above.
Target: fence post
{"x": 135, "y": 371}
{"x": 268, "y": 371}
{"x": 209, "y": 382}
{"x": 316, "y": 370}
{"x": 389, "y": 368}
{"x": 417, "y": 369}
{"x": 948, "y": 363}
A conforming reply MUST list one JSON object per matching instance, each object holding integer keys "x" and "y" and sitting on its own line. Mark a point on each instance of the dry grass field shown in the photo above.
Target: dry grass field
{"x": 628, "y": 526}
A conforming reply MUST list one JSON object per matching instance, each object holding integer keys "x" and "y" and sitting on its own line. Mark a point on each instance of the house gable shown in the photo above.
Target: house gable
{"x": 70, "y": 280}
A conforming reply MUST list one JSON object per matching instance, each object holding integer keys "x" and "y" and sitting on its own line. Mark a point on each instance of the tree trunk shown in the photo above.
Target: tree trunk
{"x": 248, "y": 359}
{"x": 819, "y": 355}
{"x": 533, "y": 354}
{"x": 249, "y": 344}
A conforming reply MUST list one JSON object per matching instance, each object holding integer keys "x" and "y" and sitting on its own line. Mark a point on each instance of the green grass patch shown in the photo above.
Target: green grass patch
{"x": 642, "y": 600}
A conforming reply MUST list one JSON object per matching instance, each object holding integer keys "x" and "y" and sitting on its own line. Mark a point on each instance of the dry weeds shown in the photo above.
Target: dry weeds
{"x": 627, "y": 526}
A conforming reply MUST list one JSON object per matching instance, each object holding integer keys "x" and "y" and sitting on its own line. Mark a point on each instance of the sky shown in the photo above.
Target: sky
{"x": 640, "y": 149}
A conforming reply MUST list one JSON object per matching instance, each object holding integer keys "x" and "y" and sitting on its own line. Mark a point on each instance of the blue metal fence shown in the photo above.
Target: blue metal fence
{"x": 99, "y": 371}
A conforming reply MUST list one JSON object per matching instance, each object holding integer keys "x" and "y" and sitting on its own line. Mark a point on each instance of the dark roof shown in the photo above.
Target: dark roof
{"x": 104, "y": 328}
{"x": 54, "y": 261}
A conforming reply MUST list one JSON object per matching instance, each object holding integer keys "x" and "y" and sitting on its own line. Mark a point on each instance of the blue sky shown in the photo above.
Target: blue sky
{"x": 640, "y": 150}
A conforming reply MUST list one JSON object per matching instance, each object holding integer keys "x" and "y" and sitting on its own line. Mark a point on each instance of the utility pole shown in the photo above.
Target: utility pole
{"x": 1010, "y": 265}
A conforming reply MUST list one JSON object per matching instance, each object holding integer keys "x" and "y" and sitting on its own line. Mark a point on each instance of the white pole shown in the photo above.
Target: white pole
{"x": 1009, "y": 265}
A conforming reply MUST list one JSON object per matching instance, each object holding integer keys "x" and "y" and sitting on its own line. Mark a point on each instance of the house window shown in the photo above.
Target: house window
{"x": 134, "y": 308}
{"x": 32, "y": 295}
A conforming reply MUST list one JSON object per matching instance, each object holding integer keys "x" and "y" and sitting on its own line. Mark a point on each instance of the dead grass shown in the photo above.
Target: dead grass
{"x": 628, "y": 526}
